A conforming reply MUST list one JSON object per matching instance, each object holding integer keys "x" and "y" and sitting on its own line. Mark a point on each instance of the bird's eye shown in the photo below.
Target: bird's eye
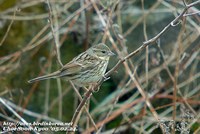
{"x": 103, "y": 52}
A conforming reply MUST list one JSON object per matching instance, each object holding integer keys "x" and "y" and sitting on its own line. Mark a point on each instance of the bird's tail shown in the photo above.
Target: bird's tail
{"x": 49, "y": 76}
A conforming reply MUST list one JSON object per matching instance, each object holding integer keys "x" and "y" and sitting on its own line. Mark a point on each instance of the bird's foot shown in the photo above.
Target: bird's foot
{"x": 105, "y": 78}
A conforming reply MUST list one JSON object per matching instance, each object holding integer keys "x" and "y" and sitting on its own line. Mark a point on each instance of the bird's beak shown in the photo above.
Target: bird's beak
{"x": 111, "y": 53}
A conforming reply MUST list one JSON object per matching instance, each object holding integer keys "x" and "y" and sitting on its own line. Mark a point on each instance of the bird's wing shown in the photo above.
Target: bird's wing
{"x": 75, "y": 67}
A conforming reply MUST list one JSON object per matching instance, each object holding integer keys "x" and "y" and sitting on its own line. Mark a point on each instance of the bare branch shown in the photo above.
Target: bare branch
{"x": 55, "y": 38}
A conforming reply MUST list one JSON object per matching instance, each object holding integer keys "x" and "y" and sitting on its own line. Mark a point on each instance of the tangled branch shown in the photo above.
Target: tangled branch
{"x": 173, "y": 23}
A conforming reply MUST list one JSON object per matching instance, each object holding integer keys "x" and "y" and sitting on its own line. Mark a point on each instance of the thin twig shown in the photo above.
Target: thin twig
{"x": 81, "y": 99}
{"x": 6, "y": 34}
{"x": 150, "y": 41}
{"x": 30, "y": 113}
{"x": 17, "y": 115}
{"x": 55, "y": 38}
{"x": 80, "y": 107}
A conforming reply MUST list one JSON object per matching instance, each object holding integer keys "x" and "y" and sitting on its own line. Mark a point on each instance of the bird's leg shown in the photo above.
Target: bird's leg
{"x": 105, "y": 78}
{"x": 97, "y": 89}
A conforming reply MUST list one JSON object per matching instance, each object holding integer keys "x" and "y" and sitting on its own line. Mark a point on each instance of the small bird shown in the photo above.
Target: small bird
{"x": 87, "y": 68}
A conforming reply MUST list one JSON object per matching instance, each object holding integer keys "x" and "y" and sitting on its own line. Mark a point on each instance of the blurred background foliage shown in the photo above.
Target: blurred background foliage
{"x": 27, "y": 50}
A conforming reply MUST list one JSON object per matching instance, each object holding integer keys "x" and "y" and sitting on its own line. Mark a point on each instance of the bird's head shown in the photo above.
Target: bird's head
{"x": 100, "y": 51}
